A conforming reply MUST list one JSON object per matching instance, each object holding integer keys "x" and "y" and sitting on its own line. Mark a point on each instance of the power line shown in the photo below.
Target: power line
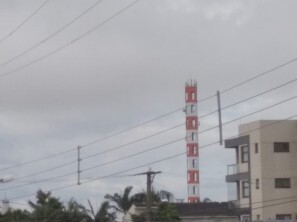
{"x": 156, "y": 161}
{"x": 155, "y": 147}
{"x": 246, "y": 99}
{"x": 132, "y": 142}
{"x": 106, "y": 151}
{"x": 47, "y": 170}
{"x": 201, "y": 147}
{"x": 93, "y": 29}
{"x": 24, "y": 22}
{"x": 39, "y": 181}
{"x": 179, "y": 154}
{"x": 259, "y": 75}
{"x": 131, "y": 128}
{"x": 143, "y": 123}
{"x": 132, "y": 155}
{"x": 54, "y": 189}
{"x": 262, "y": 93}
{"x": 177, "y": 140}
{"x": 252, "y": 97}
{"x": 171, "y": 112}
{"x": 174, "y": 141}
{"x": 268, "y": 107}
{"x": 183, "y": 175}
{"x": 51, "y": 35}
{"x": 37, "y": 160}
{"x": 270, "y": 205}
{"x": 97, "y": 140}
{"x": 146, "y": 122}
{"x": 118, "y": 147}
{"x": 71, "y": 42}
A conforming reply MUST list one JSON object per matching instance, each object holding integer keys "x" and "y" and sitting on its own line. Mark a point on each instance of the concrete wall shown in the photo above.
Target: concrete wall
{"x": 210, "y": 219}
{"x": 266, "y": 165}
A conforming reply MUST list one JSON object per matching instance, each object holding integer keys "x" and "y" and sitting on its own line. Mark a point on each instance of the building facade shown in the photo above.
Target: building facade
{"x": 191, "y": 212}
{"x": 265, "y": 172}
{"x": 192, "y": 141}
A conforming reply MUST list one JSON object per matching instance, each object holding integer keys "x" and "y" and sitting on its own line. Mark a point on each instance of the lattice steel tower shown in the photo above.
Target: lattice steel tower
{"x": 192, "y": 141}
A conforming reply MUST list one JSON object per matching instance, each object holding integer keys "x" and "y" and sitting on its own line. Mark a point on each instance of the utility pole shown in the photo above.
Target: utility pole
{"x": 220, "y": 117}
{"x": 150, "y": 175}
{"x": 78, "y": 165}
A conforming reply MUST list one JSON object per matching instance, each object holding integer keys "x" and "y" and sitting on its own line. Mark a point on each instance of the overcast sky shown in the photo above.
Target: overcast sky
{"x": 131, "y": 69}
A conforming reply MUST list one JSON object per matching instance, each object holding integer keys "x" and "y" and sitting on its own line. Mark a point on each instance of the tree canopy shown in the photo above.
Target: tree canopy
{"x": 47, "y": 208}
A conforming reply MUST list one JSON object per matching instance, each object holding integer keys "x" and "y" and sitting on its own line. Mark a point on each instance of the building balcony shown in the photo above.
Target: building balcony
{"x": 233, "y": 204}
{"x": 232, "y": 169}
{"x": 234, "y": 174}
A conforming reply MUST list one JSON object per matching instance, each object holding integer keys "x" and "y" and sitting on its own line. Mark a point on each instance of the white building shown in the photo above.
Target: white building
{"x": 265, "y": 173}
{"x": 5, "y": 206}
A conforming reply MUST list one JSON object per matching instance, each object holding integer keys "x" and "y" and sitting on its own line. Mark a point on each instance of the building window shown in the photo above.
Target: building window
{"x": 193, "y": 96}
{"x": 256, "y": 148}
{"x": 194, "y": 163}
{"x": 257, "y": 184}
{"x": 258, "y": 217}
{"x": 283, "y": 217}
{"x": 194, "y": 190}
{"x": 282, "y": 183}
{"x": 194, "y": 150}
{"x": 193, "y": 122}
{"x": 245, "y": 189}
{"x": 245, "y": 218}
{"x": 281, "y": 147}
{"x": 195, "y": 177}
{"x": 194, "y": 136}
{"x": 244, "y": 154}
{"x": 192, "y": 108}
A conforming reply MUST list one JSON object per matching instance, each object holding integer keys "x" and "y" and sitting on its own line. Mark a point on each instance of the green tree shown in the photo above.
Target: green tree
{"x": 167, "y": 212}
{"x": 104, "y": 213}
{"x": 75, "y": 212}
{"x": 206, "y": 200}
{"x": 138, "y": 218}
{"x": 156, "y": 196}
{"x": 122, "y": 201}
{"x": 16, "y": 216}
{"x": 46, "y": 208}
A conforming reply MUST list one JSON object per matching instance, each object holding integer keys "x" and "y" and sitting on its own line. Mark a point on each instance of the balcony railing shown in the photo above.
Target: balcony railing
{"x": 232, "y": 169}
{"x": 233, "y": 204}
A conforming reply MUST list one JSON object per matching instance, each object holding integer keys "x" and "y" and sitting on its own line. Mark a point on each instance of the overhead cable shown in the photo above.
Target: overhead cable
{"x": 171, "y": 142}
{"x": 156, "y": 161}
{"x": 51, "y": 35}
{"x": 23, "y": 23}
{"x": 143, "y": 123}
{"x": 71, "y": 42}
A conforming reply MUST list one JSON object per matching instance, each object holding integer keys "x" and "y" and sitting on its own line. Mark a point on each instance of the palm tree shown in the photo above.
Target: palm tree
{"x": 167, "y": 212}
{"x": 103, "y": 214}
{"x": 123, "y": 202}
{"x": 46, "y": 208}
{"x": 75, "y": 212}
{"x": 16, "y": 216}
{"x": 206, "y": 200}
{"x": 156, "y": 196}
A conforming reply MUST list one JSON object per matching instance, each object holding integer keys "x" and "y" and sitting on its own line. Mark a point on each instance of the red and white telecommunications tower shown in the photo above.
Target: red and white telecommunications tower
{"x": 192, "y": 141}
